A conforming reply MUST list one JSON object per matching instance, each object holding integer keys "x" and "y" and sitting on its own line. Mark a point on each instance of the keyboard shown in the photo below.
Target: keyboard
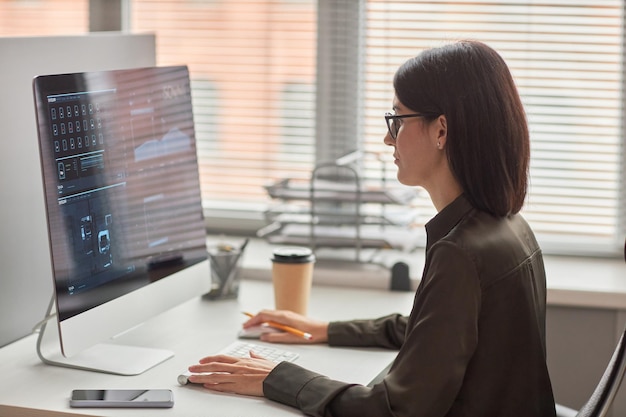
{"x": 242, "y": 350}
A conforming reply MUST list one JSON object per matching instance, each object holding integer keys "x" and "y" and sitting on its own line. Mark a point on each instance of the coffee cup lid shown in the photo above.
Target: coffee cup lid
{"x": 293, "y": 255}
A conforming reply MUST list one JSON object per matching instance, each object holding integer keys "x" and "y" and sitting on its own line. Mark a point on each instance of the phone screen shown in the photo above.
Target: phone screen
{"x": 122, "y": 398}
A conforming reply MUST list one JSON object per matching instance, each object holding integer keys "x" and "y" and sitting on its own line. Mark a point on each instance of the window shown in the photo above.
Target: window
{"x": 281, "y": 84}
{"x": 261, "y": 59}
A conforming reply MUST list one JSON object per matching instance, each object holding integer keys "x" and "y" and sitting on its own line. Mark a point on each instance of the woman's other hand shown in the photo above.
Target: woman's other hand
{"x": 229, "y": 374}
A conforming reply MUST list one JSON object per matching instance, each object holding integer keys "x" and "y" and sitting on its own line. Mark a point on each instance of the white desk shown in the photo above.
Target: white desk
{"x": 585, "y": 297}
{"x": 193, "y": 330}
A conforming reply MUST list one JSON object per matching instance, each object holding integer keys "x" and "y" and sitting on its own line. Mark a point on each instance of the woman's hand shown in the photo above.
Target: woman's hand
{"x": 317, "y": 329}
{"x": 229, "y": 374}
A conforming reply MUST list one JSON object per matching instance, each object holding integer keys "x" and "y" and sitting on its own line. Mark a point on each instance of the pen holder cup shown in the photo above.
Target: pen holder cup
{"x": 225, "y": 260}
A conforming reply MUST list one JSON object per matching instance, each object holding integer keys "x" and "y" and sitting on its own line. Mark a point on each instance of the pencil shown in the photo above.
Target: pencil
{"x": 285, "y": 328}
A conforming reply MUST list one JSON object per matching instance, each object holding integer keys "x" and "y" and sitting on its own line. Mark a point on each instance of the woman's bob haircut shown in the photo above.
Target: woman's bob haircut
{"x": 488, "y": 146}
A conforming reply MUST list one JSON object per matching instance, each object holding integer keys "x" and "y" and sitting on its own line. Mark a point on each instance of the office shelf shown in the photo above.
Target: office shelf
{"x": 326, "y": 190}
{"x": 338, "y": 208}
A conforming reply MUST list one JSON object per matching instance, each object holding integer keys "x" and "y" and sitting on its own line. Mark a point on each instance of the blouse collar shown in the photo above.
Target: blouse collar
{"x": 444, "y": 221}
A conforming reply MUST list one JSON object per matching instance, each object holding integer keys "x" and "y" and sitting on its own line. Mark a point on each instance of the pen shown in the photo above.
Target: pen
{"x": 288, "y": 329}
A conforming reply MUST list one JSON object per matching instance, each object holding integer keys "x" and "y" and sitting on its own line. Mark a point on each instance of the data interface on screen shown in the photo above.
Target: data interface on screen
{"x": 121, "y": 181}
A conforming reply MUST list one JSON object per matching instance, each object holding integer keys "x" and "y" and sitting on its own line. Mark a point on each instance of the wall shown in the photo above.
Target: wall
{"x": 25, "y": 271}
{"x": 580, "y": 343}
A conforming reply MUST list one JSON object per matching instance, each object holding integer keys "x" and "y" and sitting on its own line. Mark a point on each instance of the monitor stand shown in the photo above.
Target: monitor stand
{"x": 107, "y": 358}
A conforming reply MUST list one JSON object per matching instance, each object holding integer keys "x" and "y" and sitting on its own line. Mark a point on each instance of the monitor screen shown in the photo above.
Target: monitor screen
{"x": 122, "y": 195}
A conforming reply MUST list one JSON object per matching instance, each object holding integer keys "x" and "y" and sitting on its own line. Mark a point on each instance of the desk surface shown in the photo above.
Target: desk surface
{"x": 193, "y": 330}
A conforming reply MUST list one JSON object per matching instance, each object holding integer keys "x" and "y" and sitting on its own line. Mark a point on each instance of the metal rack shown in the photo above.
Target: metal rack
{"x": 338, "y": 208}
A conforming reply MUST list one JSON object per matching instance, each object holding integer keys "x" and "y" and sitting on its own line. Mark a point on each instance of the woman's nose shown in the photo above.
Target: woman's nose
{"x": 388, "y": 140}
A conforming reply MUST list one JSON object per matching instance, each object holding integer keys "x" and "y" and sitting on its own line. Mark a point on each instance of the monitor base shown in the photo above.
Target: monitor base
{"x": 107, "y": 358}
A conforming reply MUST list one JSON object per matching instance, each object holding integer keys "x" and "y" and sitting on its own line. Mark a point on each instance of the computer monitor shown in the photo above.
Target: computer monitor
{"x": 122, "y": 194}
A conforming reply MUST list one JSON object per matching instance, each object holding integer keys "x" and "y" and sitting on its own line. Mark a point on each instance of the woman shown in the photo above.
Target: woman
{"x": 474, "y": 343}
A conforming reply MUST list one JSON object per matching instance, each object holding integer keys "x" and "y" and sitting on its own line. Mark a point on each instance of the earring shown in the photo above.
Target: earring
{"x": 438, "y": 145}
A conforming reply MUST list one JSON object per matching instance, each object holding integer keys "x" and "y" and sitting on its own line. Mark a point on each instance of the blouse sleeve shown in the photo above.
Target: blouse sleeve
{"x": 428, "y": 372}
{"x": 387, "y": 332}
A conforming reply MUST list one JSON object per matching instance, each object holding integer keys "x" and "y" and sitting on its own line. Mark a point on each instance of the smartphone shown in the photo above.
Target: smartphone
{"x": 120, "y": 398}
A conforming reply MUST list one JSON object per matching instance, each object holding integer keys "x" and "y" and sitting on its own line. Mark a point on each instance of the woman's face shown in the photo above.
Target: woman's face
{"x": 417, "y": 147}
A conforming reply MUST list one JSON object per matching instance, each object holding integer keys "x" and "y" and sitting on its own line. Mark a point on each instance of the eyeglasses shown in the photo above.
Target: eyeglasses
{"x": 394, "y": 121}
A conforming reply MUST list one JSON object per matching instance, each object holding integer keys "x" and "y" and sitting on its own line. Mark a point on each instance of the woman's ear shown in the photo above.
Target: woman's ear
{"x": 440, "y": 130}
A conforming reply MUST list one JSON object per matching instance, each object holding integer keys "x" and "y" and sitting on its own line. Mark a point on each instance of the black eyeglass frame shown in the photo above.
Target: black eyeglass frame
{"x": 389, "y": 118}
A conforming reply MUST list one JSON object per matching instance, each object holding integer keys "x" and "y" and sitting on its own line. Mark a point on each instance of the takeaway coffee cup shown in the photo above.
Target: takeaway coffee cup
{"x": 292, "y": 275}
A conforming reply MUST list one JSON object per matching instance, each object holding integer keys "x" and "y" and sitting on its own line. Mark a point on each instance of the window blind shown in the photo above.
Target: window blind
{"x": 566, "y": 58}
{"x": 253, "y": 70}
{"x": 44, "y": 17}
{"x": 254, "y": 63}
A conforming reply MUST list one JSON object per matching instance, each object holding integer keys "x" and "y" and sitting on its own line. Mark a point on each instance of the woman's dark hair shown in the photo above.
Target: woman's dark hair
{"x": 488, "y": 146}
